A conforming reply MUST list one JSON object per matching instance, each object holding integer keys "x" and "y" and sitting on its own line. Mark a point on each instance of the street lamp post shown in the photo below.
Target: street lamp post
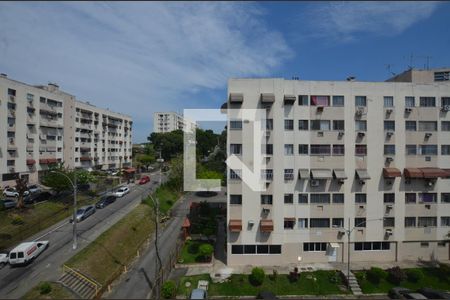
{"x": 160, "y": 160}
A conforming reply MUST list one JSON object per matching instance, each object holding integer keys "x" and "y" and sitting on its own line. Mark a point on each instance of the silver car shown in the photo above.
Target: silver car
{"x": 84, "y": 212}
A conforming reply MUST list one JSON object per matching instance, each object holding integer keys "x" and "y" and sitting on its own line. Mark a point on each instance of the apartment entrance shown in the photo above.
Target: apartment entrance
{"x": 332, "y": 251}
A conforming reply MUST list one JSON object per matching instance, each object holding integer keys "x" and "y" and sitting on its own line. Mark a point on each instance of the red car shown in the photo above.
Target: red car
{"x": 144, "y": 179}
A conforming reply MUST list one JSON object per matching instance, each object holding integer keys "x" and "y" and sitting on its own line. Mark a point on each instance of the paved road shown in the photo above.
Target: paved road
{"x": 15, "y": 282}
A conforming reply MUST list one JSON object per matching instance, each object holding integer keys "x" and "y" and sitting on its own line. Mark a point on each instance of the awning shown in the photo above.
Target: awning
{"x": 334, "y": 245}
{"x": 447, "y": 171}
{"x": 85, "y": 158}
{"x": 129, "y": 170}
{"x": 52, "y": 160}
{"x": 339, "y": 174}
{"x": 290, "y": 99}
{"x": 186, "y": 223}
{"x": 362, "y": 174}
{"x": 413, "y": 173}
{"x": 30, "y": 162}
{"x": 433, "y": 173}
{"x": 43, "y": 161}
{"x": 267, "y": 98}
{"x": 236, "y": 98}
{"x": 290, "y": 219}
{"x": 235, "y": 225}
{"x": 303, "y": 173}
{"x": 266, "y": 226}
{"x": 391, "y": 172}
{"x": 321, "y": 174}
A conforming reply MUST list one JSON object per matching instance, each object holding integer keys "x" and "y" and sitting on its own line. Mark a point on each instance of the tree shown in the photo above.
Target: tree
{"x": 60, "y": 183}
{"x": 257, "y": 276}
{"x": 169, "y": 143}
{"x": 21, "y": 188}
{"x": 145, "y": 160}
{"x": 168, "y": 289}
{"x": 205, "y": 251}
{"x": 176, "y": 173}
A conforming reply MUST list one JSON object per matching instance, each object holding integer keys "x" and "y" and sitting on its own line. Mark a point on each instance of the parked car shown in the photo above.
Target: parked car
{"x": 84, "y": 212}
{"x": 83, "y": 186}
{"x": 122, "y": 191}
{"x": 11, "y": 192}
{"x": 434, "y": 294}
{"x": 39, "y": 197}
{"x": 105, "y": 201}
{"x": 8, "y": 203}
{"x": 3, "y": 259}
{"x": 144, "y": 179}
{"x": 26, "y": 252}
{"x": 199, "y": 294}
{"x": 33, "y": 189}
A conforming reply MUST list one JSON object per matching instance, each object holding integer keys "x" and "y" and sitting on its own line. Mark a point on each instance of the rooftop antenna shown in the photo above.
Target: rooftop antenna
{"x": 411, "y": 61}
{"x": 388, "y": 67}
{"x": 427, "y": 58}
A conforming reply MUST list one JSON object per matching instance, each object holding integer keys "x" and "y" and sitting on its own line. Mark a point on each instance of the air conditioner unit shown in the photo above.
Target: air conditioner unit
{"x": 265, "y": 210}
{"x": 445, "y": 108}
{"x": 12, "y": 169}
{"x": 389, "y": 206}
{"x": 361, "y": 134}
{"x": 389, "y": 133}
{"x": 315, "y": 183}
{"x": 341, "y": 181}
{"x": 389, "y": 111}
{"x": 408, "y": 110}
{"x": 12, "y": 97}
{"x": 389, "y": 182}
{"x": 428, "y": 134}
{"x": 389, "y": 159}
{"x": 319, "y": 108}
{"x": 341, "y": 133}
{"x": 388, "y": 231}
{"x": 362, "y": 182}
{"x": 429, "y": 183}
{"x": 341, "y": 232}
{"x": 361, "y": 207}
{"x": 360, "y": 110}
{"x": 251, "y": 223}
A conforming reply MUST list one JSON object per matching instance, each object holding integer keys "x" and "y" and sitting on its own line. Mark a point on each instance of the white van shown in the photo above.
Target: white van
{"x": 26, "y": 252}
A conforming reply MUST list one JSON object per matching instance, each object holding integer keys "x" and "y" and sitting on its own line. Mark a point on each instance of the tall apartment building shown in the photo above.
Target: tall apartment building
{"x": 170, "y": 121}
{"x": 372, "y": 157}
{"x": 43, "y": 125}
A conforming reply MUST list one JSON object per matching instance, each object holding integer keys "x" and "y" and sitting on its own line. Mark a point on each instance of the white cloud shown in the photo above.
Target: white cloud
{"x": 343, "y": 20}
{"x": 138, "y": 57}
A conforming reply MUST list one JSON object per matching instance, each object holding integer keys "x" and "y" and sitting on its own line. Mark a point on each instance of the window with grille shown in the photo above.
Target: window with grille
{"x": 303, "y": 100}
{"x": 360, "y": 222}
{"x": 361, "y": 150}
{"x": 426, "y": 221}
{"x": 236, "y": 199}
{"x": 360, "y": 101}
{"x": 288, "y": 198}
{"x": 303, "y": 125}
{"x": 320, "y": 149}
{"x": 427, "y": 101}
{"x": 288, "y": 124}
{"x": 427, "y": 125}
{"x": 320, "y": 198}
{"x": 410, "y": 221}
{"x": 360, "y": 125}
{"x": 338, "y": 100}
{"x": 288, "y": 174}
{"x": 302, "y": 198}
{"x": 388, "y": 101}
{"x": 303, "y": 149}
{"x": 266, "y": 199}
{"x": 319, "y": 223}
{"x": 338, "y": 149}
{"x": 410, "y": 125}
{"x": 410, "y": 101}
{"x": 389, "y": 198}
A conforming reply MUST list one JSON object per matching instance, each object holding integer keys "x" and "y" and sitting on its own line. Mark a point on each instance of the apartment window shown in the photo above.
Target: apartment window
{"x": 388, "y": 101}
{"x": 389, "y": 222}
{"x": 320, "y": 100}
{"x": 288, "y": 124}
{"x": 411, "y": 150}
{"x": 410, "y": 125}
{"x": 288, "y": 198}
{"x": 410, "y": 221}
{"x": 11, "y": 92}
{"x": 338, "y": 149}
{"x": 427, "y": 198}
{"x": 320, "y": 149}
{"x": 255, "y": 249}
{"x": 338, "y": 100}
{"x": 320, "y": 198}
{"x": 303, "y": 198}
{"x": 427, "y": 150}
{"x": 303, "y": 125}
{"x": 302, "y": 223}
{"x": 360, "y": 198}
{"x": 445, "y": 149}
{"x": 410, "y": 101}
{"x": 338, "y": 125}
{"x": 236, "y": 199}
{"x": 389, "y": 149}
{"x": 445, "y": 197}
{"x": 236, "y": 125}
{"x": 360, "y": 101}
{"x": 445, "y": 221}
{"x": 389, "y": 125}
{"x": 337, "y": 222}
{"x": 445, "y": 101}
{"x": 360, "y": 125}
{"x": 441, "y": 76}
{"x": 427, "y": 101}
{"x": 303, "y": 149}
{"x": 267, "y": 124}
{"x": 426, "y": 222}
{"x": 303, "y": 100}
{"x": 267, "y": 174}
{"x": 427, "y": 126}
{"x": 235, "y": 174}
{"x": 288, "y": 174}
{"x": 289, "y": 223}
{"x": 361, "y": 150}
{"x": 323, "y": 125}
{"x": 389, "y": 198}
{"x": 338, "y": 198}
{"x": 372, "y": 246}
{"x": 266, "y": 199}
{"x": 360, "y": 222}
{"x": 236, "y": 149}
{"x": 288, "y": 149}
{"x": 445, "y": 125}
{"x": 30, "y": 97}
{"x": 314, "y": 247}
{"x": 319, "y": 223}
{"x": 267, "y": 149}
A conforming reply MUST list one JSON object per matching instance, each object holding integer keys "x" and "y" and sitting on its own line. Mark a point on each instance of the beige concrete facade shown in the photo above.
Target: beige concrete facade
{"x": 170, "y": 121}
{"x": 384, "y": 236}
{"x": 39, "y": 129}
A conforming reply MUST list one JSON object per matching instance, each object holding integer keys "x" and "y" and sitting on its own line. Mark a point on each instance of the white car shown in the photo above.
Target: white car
{"x": 34, "y": 189}
{"x": 26, "y": 252}
{"x": 3, "y": 259}
{"x": 11, "y": 192}
{"x": 122, "y": 191}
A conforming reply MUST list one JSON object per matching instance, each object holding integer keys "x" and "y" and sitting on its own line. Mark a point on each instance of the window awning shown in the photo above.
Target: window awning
{"x": 391, "y": 172}
{"x": 267, "y": 98}
{"x": 362, "y": 174}
{"x": 334, "y": 245}
{"x": 339, "y": 174}
{"x": 448, "y": 172}
{"x": 303, "y": 173}
{"x": 290, "y": 99}
{"x": 433, "y": 172}
{"x": 85, "y": 158}
{"x": 289, "y": 219}
{"x": 236, "y": 98}
{"x": 413, "y": 173}
{"x": 52, "y": 160}
{"x": 266, "y": 226}
{"x": 129, "y": 170}
{"x": 43, "y": 161}
{"x": 235, "y": 225}
{"x": 321, "y": 174}
{"x": 30, "y": 162}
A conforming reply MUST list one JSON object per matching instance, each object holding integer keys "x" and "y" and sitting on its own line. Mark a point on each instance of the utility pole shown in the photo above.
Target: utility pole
{"x": 75, "y": 238}
{"x": 158, "y": 271}
{"x": 348, "y": 253}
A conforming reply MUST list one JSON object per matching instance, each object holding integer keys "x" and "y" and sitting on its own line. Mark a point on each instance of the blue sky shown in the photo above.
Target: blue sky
{"x": 142, "y": 57}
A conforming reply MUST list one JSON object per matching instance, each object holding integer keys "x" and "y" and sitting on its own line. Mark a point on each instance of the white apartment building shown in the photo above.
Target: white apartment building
{"x": 372, "y": 157}
{"x": 170, "y": 121}
{"x": 40, "y": 128}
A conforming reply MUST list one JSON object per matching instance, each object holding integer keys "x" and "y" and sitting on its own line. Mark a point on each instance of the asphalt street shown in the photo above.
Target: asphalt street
{"x": 15, "y": 282}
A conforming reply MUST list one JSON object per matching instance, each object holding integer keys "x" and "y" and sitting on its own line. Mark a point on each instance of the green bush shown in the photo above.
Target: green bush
{"x": 2, "y": 206}
{"x": 17, "y": 220}
{"x": 414, "y": 275}
{"x": 374, "y": 275}
{"x": 45, "y": 288}
{"x": 256, "y": 278}
{"x": 168, "y": 289}
{"x": 205, "y": 251}
{"x": 396, "y": 275}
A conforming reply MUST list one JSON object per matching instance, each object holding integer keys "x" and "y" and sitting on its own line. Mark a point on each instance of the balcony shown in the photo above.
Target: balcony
{"x": 52, "y": 123}
{"x": 85, "y": 158}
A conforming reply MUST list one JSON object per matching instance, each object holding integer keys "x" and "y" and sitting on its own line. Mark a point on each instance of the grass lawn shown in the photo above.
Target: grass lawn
{"x": 57, "y": 292}
{"x": 189, "y": 253}
{"x": 105, "y": 257}
{"x": 167, "y": 197}
{"x": 433, "y": 278}
{"x": 238, "y": 285}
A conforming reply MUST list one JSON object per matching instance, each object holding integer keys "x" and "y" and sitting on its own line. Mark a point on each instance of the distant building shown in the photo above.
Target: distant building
{"x": 422, "y": 76}
{"x": 170, "y": 121}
